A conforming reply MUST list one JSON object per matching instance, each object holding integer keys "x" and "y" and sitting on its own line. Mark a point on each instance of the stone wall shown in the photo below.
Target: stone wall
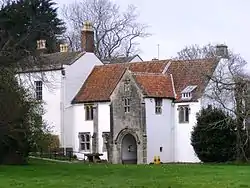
{"x": 132, "y": 122}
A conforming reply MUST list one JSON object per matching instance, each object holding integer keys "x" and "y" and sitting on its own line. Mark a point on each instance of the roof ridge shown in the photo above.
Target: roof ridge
{"x": 194, "y": 60}
{"x": 148, "y": 73}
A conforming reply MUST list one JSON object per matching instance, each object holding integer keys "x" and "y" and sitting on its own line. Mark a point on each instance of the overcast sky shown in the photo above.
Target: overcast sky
{"x": 177, "y": 23}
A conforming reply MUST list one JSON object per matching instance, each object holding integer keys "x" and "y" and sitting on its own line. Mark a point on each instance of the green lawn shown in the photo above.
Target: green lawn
{"x": 54, "y": 175}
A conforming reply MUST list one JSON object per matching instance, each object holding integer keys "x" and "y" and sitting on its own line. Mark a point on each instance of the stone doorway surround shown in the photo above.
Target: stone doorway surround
{"x": 141, "y": 147}
{"x": 129, "y": 149}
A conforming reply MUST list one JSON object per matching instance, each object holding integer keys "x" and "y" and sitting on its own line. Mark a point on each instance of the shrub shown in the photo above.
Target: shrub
{"x": 214, "y": 138}
{"x": 47, "y": 142}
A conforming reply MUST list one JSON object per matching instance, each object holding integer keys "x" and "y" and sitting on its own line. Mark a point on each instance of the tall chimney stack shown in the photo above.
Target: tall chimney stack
{"x": 87, "y": 37}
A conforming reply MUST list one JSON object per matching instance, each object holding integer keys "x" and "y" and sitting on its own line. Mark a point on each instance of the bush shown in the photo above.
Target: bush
{"x": 47, "y": 142}
{"x": 214, "y": 138}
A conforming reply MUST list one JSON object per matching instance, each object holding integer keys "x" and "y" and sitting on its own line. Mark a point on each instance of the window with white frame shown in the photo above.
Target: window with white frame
{"x": 184, "y": 114}
{"x": 84, "y": 141}
{"x": 158, "y": 105}
{"x": 186, "y": 93}
{"x": 126, "y": 104}
{"x": 39, "y": 90}
{"x": 89, "y": 112}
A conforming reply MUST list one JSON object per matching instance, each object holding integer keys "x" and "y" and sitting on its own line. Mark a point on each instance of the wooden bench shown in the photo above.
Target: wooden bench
{"x": 93, "y": 157}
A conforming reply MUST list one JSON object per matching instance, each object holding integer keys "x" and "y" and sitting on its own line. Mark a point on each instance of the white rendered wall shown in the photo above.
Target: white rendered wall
{"x": 75, "y": 76}
{"x": 159, "y": 131}
{"x": 136, "y": 59}
{"x": 69, "y": 137}
{"x": 104, "y": 124}
{"x": 79, "y": 124}
{"x": 184, "y": 151}
{"x": 77, "y": 73}
{"x": 51, "y": 95}
{"x": 226, "y": 97}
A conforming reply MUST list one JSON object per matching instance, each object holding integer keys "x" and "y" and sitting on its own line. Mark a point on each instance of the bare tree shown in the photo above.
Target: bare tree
{"x": 197, "y": 52}
{"x": 116, "y": 32}
{"x": 228, "y": 89}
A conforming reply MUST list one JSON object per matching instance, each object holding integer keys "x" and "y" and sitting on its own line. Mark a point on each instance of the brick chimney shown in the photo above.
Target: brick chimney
{"x": 87, "y": 37}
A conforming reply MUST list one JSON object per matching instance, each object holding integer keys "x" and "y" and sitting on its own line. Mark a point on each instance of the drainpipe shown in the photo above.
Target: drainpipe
{"x": 173, "y": 132}
{"x": 63, "y": 111}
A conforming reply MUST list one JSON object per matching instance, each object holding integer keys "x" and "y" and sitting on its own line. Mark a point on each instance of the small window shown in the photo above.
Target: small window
{"x": 127, "y": 105}
{"x": 158, "y": 106}
{"x": 186, "y": 95}
{"x": 84, "y": 139}
{"x": 89, "y": 112}
{"x": 39, "y": 90}
{"x": 126, "y": 87}
{"x": 183, "y": 114}
{"x": 105, "y": 137}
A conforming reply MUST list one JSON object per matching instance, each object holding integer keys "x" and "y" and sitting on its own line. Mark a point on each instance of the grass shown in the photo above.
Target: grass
{"x": 59, "y": 175}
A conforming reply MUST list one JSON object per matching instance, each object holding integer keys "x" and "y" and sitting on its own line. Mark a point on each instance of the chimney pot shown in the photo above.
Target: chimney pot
{"x": 87, "y": 37}
{"x": 63, "y": 47}
{"x": 41, "y": 44}
{"x": 222, "y": 51}
{"x": 87, "y": 26}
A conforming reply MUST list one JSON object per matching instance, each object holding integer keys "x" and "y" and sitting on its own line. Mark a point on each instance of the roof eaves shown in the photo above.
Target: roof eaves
{"x": 76, "y": 58}
{"x": 90, "y": 101}
{"x": 118, "y": 81}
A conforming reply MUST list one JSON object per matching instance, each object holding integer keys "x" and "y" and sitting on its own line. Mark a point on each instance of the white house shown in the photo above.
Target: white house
{"x": 58, "y": 77}
{"x": 131, "y": 112}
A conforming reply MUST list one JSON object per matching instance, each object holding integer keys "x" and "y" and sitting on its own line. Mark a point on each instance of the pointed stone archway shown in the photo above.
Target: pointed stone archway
{"x": 129, "y": 149}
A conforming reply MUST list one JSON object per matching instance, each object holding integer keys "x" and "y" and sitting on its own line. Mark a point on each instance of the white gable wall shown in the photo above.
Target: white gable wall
{"x": 136, "y": 59}
{"x": 75, "y": 76}
{"x": 159, "y": 130}
{"x": 51, "y": 95}
{"x": 227, "y": 97}
{"x": 184, "y": 151}
{"x": 77, "y": 73}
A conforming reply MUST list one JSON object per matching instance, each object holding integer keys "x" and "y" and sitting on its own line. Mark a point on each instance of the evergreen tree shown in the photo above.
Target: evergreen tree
{"x": 22, "y": 23}
{"x": 26, "y": 21}
{"x": 214, "y": 137}
{"x": 20, "y": 122}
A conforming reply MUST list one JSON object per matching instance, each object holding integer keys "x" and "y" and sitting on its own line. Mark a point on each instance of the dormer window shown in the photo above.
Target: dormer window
{"x": 186, "y": 93}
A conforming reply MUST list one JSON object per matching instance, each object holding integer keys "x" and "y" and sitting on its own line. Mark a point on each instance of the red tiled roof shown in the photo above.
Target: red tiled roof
{"x": 191, "y": 72}
{"x": 100, "y": 83}
{"x": 155, "y": 85}
{"x": 148, "y": 66}
{"x": 103, "y": 79}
